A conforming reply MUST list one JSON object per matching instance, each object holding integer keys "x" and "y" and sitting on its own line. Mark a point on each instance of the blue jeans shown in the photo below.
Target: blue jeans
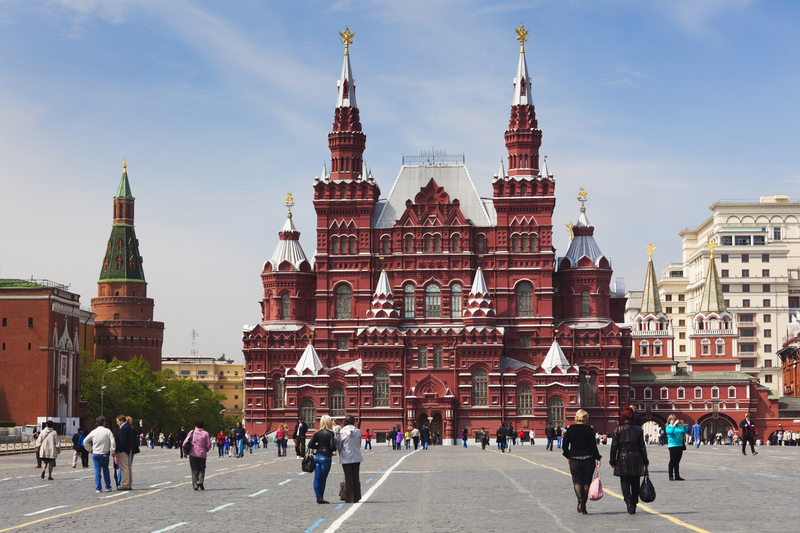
{"x": 424, "y": 445}
{"x": 321, "y": 475}
{"x": 368, "y": 443}
{"x": 559, "y": 441}
{"x": 101, "y": 464}
{"x": 465, "y": 442}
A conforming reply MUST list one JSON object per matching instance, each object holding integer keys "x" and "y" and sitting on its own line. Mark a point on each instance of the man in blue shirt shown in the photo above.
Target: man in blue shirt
{"x": 696, "y": 434}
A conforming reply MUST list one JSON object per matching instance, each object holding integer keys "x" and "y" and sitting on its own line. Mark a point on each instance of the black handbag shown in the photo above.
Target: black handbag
{"x": 187, "y": 444}
{"x": 308, "y": 464}
{"x": 647, "y": 492}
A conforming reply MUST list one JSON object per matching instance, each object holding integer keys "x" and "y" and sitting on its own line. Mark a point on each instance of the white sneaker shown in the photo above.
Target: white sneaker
{"x": 98, "y": 491}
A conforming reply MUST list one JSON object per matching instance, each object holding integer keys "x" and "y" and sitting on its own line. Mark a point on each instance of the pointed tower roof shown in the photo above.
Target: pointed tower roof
{"x": 479, "y": 305}
{"x": 544, "y": 172}
{"x": 381, "y": 311}
{"x": 346, "y": 83}
{"x": 651, "y": 302}
{"x": 383, "y": 288}
{"x": 555, "y": 359}
{"x": 522, "y": 82}
{"x": 124, "y": 189}
{"x": 288, "y": 248}
{"x": 309, "y": 361}
{"x": 479, "y": 284}
{"x": 501, "y": 172}
{"x": 583, "y": 243}
{"x": 713, "y": 300}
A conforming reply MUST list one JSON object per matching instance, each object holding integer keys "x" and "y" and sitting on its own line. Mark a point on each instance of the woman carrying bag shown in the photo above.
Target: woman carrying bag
{"x": 629, "y": 457}
{"x": 349, "y": 447}
{"x": 580, "y": 448}
{"x": 199, "y": 444}
{"x": 324, "y": 444}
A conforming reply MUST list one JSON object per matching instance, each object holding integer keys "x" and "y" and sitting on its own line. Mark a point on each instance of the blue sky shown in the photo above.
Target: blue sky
{"x": 658, "y": 109}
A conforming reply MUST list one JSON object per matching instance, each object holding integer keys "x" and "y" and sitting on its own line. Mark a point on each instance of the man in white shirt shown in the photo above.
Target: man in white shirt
{"x": 103, "y": 445}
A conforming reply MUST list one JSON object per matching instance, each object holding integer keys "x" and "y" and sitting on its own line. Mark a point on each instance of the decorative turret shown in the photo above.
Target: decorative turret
{"x": 382, "y": 311}
{"x": 555, "y": 358}
{"x": 713, "y": 300}
{"x": 309, "y": 361}
{"x": 652, "y": 331}
{"x": 651, "y": 302}
{"x": 479, "y": 309}
{"x": 122, "y": 261}
{"x": 289, "y": 252}
{"x": 346, "y": 141}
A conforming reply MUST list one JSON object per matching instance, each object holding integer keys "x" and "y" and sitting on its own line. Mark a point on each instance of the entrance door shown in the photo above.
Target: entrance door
{"x": 436, "y": 427}
{"x": 423, "y": 420}
{"x": 651, "y": 428}
{"x": 716, "y": 426}
{"x": 555, "y": 413}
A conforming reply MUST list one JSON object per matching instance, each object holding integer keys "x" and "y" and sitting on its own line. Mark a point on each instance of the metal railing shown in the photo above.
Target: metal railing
{"x": 434, "y": 157}
{"x": 15, "y": 448}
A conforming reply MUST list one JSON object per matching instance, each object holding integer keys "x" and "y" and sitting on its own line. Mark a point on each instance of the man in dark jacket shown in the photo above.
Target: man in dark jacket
{"x": 238, "y": 438}
{"x": 300, "y": 438}
{"x": 392, "y": 436}
{"x": 550, "y": 433}
{"x": 501, "y": 438}
{"x": 748, "y": 435}
{"x": 182, "y": 437}
{"x": 425, "y": 435}
{"x": 124, "y": 451}
{"x": 76, "y": 447}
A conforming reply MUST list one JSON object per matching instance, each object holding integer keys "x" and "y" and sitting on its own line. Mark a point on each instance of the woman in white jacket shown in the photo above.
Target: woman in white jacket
{"x": 349, "y": 448}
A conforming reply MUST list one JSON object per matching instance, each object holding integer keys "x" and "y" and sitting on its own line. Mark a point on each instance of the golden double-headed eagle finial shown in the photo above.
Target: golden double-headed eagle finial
{"x": 522, "y": 36}
{"x": 124, "y": 166}
{"x": 346, "y": 37}
{"x": 711, "y": 245}
{"x": 289, "y": 202}
{"x": 650, "y": 249}
{"x": 569, "y": 229}
{"x": 582, "y": 197}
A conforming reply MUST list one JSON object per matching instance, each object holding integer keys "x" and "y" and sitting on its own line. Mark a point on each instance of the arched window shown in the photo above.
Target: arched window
{"x": 523, "y": 241}
{"x": 105, "y": 264}
{"x": 337, "y": 403}
{"x": 334, "y": 246}
{"x": 352, "y": 248}
{"x": 119, "y": 245}
{"x": 523, "y": 189}
{"x": 381, "y": 388}
{"x": 455, "y": 300}
{"x": 586, "y": 305}
{"x": 437, "y": 243}
{"x": 118, "y": 263}
{"x": 480, "y": 387}
{"x": 433, "y": 301}
{"x": 308, "y": 413}
{"x": 731, "y": 392}
{"x": 437, "y": 357}
{"x": 385, "y": 246}
{"x": 409, "y": 244}
{"x": 408, "y": 301}
{"x": 657, "y": 345}
{"x": 532, "y": 246}
{"x": 524, "y": 299}
{"x": 644, "y": 349}
{"x": 343, "y": 301}
{"x": 285, "y": 307}
{"x": 588, "y": 390}
{"x": 698, "y": 393}
{"x": 481, "y": 244}
{"x": 705, "y": 347}
{"x": 720, "y": 344}
{"x": 523, "y": 89}
{"x": 515, "y": 243}
{"x": 278, "y": 386}
{"x": 346, "y": 89}
{"x": 555, "y": 413}
{"x": 423, "y": 357}
{"x": 427, "y": 243}
{"x": 341, "y": 190}
{"x": 715, "y": 393}
{"x": 524, "y": 400}
{"x": 456, "y": 243}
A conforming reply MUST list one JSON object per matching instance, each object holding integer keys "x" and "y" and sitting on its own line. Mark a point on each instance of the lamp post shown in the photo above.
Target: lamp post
{"x": 103, "y": 389}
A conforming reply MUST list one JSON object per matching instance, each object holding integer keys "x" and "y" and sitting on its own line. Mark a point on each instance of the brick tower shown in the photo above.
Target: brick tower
{"x": 124, "y": 327}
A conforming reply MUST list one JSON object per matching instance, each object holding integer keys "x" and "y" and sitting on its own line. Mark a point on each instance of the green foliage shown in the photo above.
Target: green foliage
{"x": 7, "y": 425}
{"x": 161, "y": 400}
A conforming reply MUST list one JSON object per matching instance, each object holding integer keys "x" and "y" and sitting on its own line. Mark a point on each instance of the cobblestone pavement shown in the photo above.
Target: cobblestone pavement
{"x": 446, "y": 488}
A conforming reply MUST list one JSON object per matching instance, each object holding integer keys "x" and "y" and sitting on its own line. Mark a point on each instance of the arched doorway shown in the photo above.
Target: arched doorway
{"x": 714, "y": 426}
{"x": 650, "y": 429}
{"x": 436, "y": 427}
{"x": 423, "y": 420}
{"x": 555, "y": 413}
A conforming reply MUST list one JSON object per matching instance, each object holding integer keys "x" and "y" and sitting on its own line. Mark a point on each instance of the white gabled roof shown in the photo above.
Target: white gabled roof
{"x": 309, "y": 360}
{"x": 383, "y": 288}
{"x": 347, "y": 76}
{"x": 555, "y": 359}
{"x": 522, "y": 81}
{"x": 479, "y": 284}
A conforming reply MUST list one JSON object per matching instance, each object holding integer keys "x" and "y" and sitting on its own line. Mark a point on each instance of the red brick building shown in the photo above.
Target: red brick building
{"x": 40, "y": 342}
{"x": 124, "y": 327}
{"x": 433, "y": 305}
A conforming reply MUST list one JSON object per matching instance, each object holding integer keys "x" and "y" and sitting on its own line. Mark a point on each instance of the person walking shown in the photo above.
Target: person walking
{"x": 532, "y": 435}
{"x": 299, "y": 436}
{"x": 36, "y": 434}
{"x": 161, "y": 440}
{"x": 368, "y": 440}
{"x": 124, "y": 452}
{"x": 484, "y": 438}
{"x": 102, "y": 445}
{"x": 84, "y": 451}
{"x": 392, "y": 438}
{"x": 399, "y": 439}
{"x": 675, "y": 433}
{"x": 221, "y": 443}
{"x": 580, "y": 448}
{"x": 280, "y": 437}
{"x": 349, "y": 448}
{"x": 559, "y": 435}
{"x": 182, "y": 437}
{"x": 464, "y": 437}
{"x": 49, "y": 448}
{"x": 425, "y": 436}
{"x": 501, "y": 438}
{"x": 407, "y": 437}
{"x": 76, "y": 447}
{"x": 521, "y": 436}
{"x": 201, "y": 444}
{"x": 415, "y": 437}
{"x": 696, "y": 430}
{"x": 629, "y": 457}
{"x": 238, "y": 437}
{"x": 323, "y": 442}
{"x": 749, "y": 433}
{"x": 550, "y": 433}
{"x": 511, "y": 433}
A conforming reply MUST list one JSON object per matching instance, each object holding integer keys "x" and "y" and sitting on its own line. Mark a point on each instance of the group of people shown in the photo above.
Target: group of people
{"x": 396, "y": 437}
{"x": 344, "y": 441}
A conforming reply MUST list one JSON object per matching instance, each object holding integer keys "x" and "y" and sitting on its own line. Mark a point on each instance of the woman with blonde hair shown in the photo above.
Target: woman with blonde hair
{"x": 580, "y": 448}
{"x": 280, "y": 440}
{"x": 323, "y": 442}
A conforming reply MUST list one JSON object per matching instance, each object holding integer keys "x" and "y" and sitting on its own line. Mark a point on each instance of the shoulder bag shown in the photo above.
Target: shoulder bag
{"x": 647, "y": 492}
{"x": 308, "y": 464}
{"x": 187, "y": 444}
{"x": 596, "y": 488}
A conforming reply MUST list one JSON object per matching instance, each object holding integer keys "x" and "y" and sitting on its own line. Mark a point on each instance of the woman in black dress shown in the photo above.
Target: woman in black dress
{"x": 580, "y": 448}
{"x": 629, "y": 457}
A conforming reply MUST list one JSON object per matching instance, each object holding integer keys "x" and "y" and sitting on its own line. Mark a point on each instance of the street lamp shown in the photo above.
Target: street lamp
{"x": 103, "y": 389}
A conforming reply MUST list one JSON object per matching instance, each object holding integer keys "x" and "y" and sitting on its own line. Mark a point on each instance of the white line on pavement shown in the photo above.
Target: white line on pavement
{"x": 284, "y": 482}
{"x": 155, "y": 467}
{"x": 339, "y": 521}
{"x": 173, "y": 526}
{"x": 45, "y": 510}
{"x": 219, "y": 508}
{"x": 159, "y": 484}
{"x": 6, "y": 479}
{"x": 112, "y": 496}
{"x": 37, "y": 487}
{"x": 221, "y": 469}
{"x": 257, "y": 493}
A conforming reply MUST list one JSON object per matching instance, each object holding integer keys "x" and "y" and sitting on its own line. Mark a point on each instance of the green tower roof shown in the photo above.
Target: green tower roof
{"x": 124, "y": 189}
{"x": 651, "y": 302}
{"x": 713, "y": 299}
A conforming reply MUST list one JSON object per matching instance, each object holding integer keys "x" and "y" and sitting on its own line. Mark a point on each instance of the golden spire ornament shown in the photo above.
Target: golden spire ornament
{"x": 346, "y": 37}
{"x": 522, "y": 36}
{"x": 124, "y": 166}
{"x": 711, "y": 245}
{"x": 582, "y": 197}
{"x": 650, "y": 249}
{"x": 569, "y": 230}
{"x": 289, "y": 203}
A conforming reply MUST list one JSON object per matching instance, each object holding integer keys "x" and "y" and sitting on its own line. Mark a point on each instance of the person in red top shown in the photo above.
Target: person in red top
{"x": 221, "y": 443}
{"x": 280, "y": 438}
{"x": 368, "y": 440}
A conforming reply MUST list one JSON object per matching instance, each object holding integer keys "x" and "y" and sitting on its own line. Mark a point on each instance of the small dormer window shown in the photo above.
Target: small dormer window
{"x": 523, "y": 189}
{"x": 346, "y": 90}
{"x": 523, "y": 89}
{"x": 119, "y": 245}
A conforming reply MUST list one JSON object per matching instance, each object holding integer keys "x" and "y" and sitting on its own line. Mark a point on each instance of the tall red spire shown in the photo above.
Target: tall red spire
{"x": 346, "y": 141}
{"x": 523, "y": 138}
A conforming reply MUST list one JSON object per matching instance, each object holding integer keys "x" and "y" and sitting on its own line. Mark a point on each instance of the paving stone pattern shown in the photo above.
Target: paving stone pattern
{"x": 446, "y": 488}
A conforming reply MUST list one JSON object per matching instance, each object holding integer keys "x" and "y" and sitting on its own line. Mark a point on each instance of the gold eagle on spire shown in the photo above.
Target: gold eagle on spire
{"x": 346, "y": 37}
{"x": 522, "y": 36}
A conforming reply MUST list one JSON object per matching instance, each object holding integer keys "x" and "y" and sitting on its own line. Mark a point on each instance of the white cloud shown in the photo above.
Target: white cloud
{"x": 697, "y": 16}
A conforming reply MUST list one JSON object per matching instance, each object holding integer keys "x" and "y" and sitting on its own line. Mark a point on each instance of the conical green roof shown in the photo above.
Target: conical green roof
{"x": 651, "y": 303}
{"x": 713, "y": 300}
{"x": 124, "y": 189}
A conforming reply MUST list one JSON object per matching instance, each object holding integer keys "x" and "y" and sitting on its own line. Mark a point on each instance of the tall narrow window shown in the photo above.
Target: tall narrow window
{"x": 481, "y": 244}
{"x": 524, "y": 299}
{"x": 455, "y": 301}
{"x": 427, "y": 241}
{"x": 588, "y": 390}
{"x": 437, "y": 244}
{"x": 308, "y": 413}
{"x": 423, "y": 357}
{"x": 524, "y": 400}
{"x": 523, "y": 189}
{"x": 279, "y": 387}
{"x": 480, "y": 387}
{"x": 346, "y": 89}
{"x": 285, "y": 307}
{"x": 343, "y": 301}
{"x": 381, "y": 388}
{"x": 456, "y": 243}
{"x": 341, "y": 190}
{"x": 337, "y": 403}
{"x": 437, "y": 357}
{"x": 408, "y": 301}
{"x": 385, "y": 246}
{"x": 334, "y": 246}
{"x": 532, "y": 246}
{"x": 515, "y": 243}
{"x": 352, "y": 249}
{"x": 433, "y": 301}
{"x": 409, "y": 244}
{"x": 555, "y": 413}
{"x": 586, "y": 305}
